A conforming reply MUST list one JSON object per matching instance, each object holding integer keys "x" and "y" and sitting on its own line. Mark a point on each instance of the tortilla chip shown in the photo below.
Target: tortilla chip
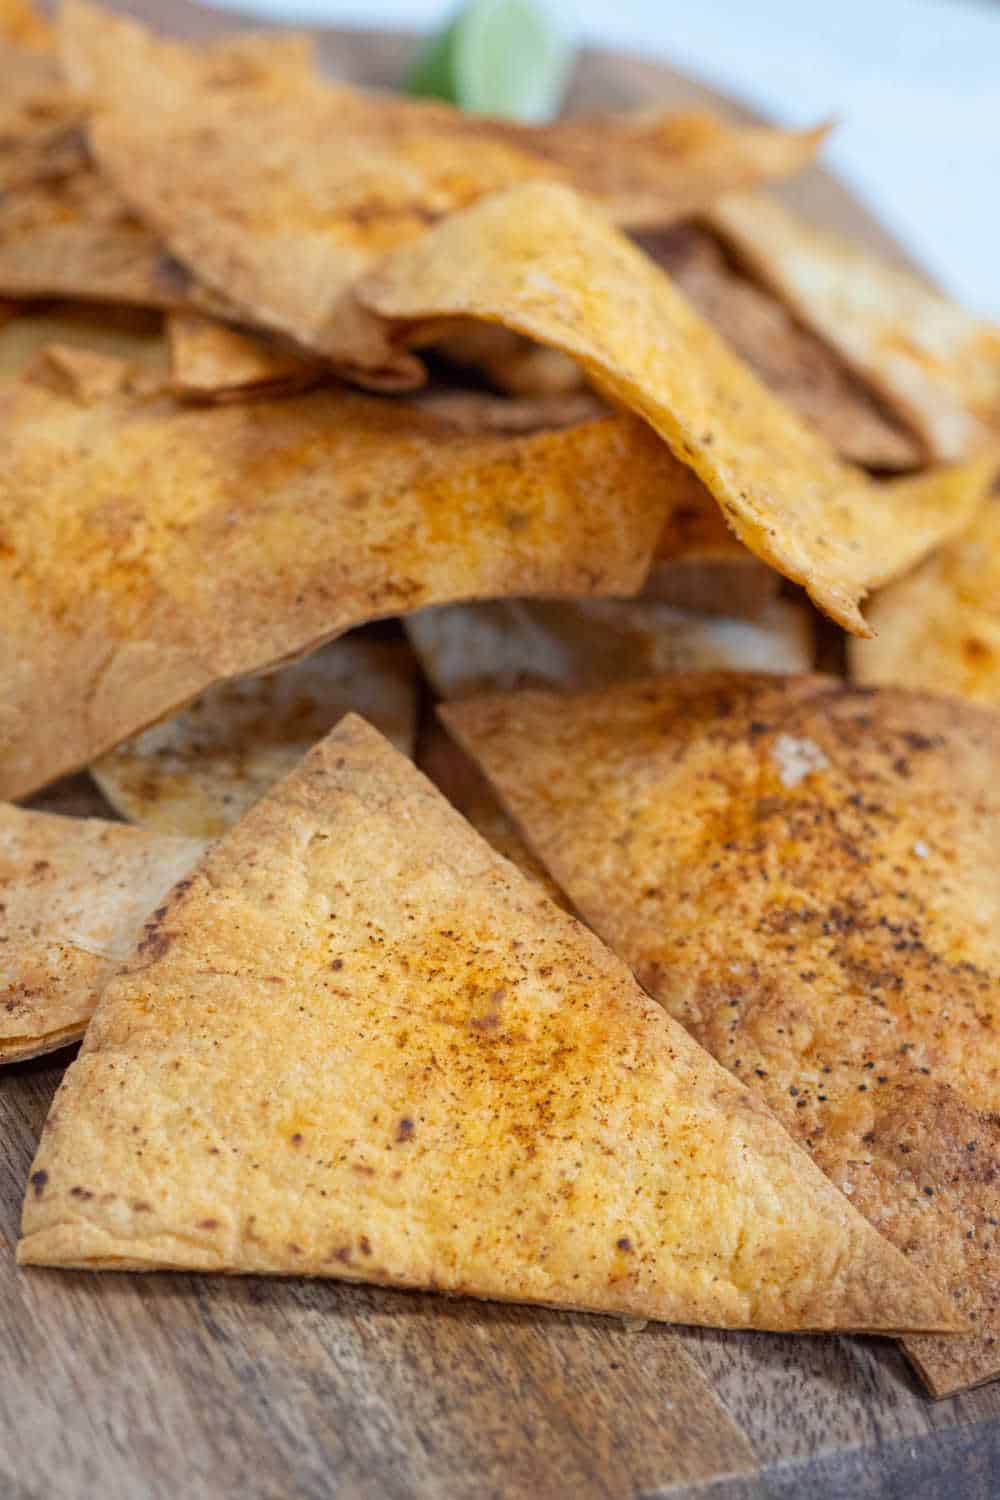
{"x": 356, "y": 1035}
{"x": 808, "y": 877}
{"x": 466, "y": 649}
{"x": 165, "y": 549}
{"x": 543, "y": 261}
{"x": 122, "y": 335}
{"x": 939, "y": 628}
{"x": 935, "y": 365}
{"x": 200, "y": 771}
{"x": 212, "y": 361}
{"x": 281, "y": 191}
{"x": 458, "y": 778}
{"x": 75, "y": 895}
{"x": 790, "y": 360}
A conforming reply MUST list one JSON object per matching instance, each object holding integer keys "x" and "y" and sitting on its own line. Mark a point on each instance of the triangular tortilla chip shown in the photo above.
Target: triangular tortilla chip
{"x": 542, "y": 260}
{"x": 934, "y": 364}
{"x": 795, "y": 364}
{"x": 210, "y": 361}
{"x": 808, "y": 877}
{"x": 150, "y": 551}
{"x": 939, "y": 627}
{"x": 281, "y": 191}
{"x": 507, "y": 644}
{"x": 74, "y": 894}
{"x": 358, "y": 1043}
{"x": 199, "y": 771}
{"x": 458, "y": 778}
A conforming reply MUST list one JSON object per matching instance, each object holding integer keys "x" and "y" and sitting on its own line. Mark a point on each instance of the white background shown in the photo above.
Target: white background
{"x": 914, "y": 83}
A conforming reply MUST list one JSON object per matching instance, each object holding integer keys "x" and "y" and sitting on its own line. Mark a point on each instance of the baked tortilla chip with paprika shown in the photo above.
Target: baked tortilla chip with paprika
{"x": 75, "y": 894}
{"x": 200, "y": 770}
{"x": 570, "y": 645}
{"x": 280, "y": 191}
{"x": 807, "y": 876}
{"x": 936, "y": 366}
{"x": 149, "y": 551}
{"x": 355, "y": 1035}
{"x": 791, "y": 361}
{"x": 939, "y": 627}
{"x": 542, "y": 260}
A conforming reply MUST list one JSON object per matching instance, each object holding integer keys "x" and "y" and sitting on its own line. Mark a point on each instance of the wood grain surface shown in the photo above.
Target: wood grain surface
{"x": 157, "y": 1387}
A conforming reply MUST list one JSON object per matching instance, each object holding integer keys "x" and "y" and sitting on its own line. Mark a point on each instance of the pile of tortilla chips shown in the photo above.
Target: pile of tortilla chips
{"x": 651, "y": 972}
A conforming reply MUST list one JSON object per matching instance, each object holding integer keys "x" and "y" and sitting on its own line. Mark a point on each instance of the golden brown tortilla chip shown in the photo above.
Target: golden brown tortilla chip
{"x": 356, "y": 1035}
{"x": 199, "y": 771}
{"x": 542, "y": 260}
{"x": 939, "y": 627}
{"x": 213, "y": 362}
{"x": 75, "y": 893}
{"x": 808, "y": 877}
{"x": 790, "y": 360}
{"x": 148, "y": 551}
{"x": 935, "y": 365}
{"x": 458, "y": 778}
{"x": 499, "y": 646}
{"x": 280, "y": 190}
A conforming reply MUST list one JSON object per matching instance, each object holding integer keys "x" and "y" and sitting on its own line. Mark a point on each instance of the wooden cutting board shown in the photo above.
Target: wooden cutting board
{"x": 126, "y": 1387}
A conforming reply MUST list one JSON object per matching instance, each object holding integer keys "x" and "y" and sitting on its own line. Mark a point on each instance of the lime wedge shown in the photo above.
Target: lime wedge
{"x": 497, "y": 57}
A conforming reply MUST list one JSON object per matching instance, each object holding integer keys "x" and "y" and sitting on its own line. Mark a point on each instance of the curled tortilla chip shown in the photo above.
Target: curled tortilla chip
{"x": 939, "y": 627}
{"x": 458, "y": 778}
{"x": 199, "y": 771}
{"x": 540, "y": 259}
{"x": 149, "y": 551}
{"x": 935, "y": 365}
{"x": 791, "y": 361}
{"x": 808, "y": 877}
{"x": 76, "y": 893}
{"x": 382, "y": 1035}
{"x": 500, "y": 646}
{"x": 213, "y": 362}
{"x": 281, "y": 189}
